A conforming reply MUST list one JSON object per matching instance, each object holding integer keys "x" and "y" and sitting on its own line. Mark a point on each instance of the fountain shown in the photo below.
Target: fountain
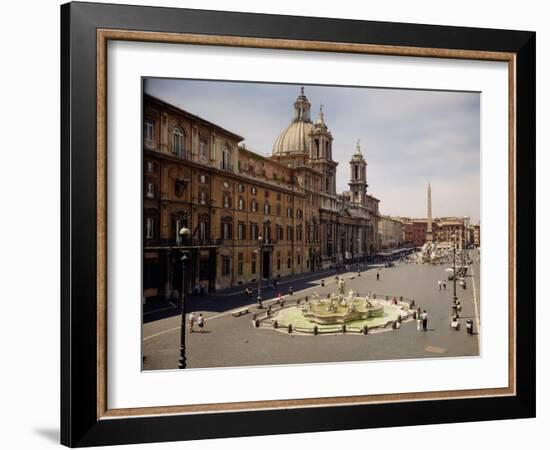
{"x": 341, "y": 312}
{"x": 339, "y": 309}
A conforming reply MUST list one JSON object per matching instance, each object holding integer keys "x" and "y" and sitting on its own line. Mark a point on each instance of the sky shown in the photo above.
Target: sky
{"x": 409, "y": 138}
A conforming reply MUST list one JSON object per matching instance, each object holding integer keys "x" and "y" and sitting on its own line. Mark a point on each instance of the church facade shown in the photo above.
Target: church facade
{"x": 250, "y": 216}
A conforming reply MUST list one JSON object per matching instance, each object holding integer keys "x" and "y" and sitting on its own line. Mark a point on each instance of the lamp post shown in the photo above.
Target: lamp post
{"x": 260, "y": 257}
{"x": 454, "y": 268}
{"x": 184, "y": 233}
{"x": 358, "y": 246}
{"x": 461, "y": 251}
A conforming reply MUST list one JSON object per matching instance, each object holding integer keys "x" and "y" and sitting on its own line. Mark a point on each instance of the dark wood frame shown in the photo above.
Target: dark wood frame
{"x": 85, "y": 418}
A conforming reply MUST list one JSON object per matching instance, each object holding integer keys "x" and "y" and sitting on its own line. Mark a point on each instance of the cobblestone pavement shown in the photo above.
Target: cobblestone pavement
{"x": 232, "y": 341}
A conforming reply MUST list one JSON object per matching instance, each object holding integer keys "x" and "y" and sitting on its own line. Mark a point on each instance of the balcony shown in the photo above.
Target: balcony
{"x": 226, "y": 166}
{"x": 192, "y": 242}
{"x": 150, "y": 144}
{"x": 180, "y": 153}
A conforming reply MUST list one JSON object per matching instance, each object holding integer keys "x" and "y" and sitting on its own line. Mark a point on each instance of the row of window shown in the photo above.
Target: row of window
{"x": 151, "y": 189}
{"x": 226, "y": 264}
{"x": 254, "y": 207}
{"x": 227, "y": 231}
{"x": 177, "y": 144}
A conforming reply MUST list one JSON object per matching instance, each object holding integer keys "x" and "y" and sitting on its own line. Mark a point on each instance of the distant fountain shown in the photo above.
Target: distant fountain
{"x": 339, "y": 309}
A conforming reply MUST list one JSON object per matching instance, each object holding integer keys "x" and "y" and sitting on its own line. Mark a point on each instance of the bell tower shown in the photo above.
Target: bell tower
{"x": 320, "y": 153}
{"x": 358, "y": 181}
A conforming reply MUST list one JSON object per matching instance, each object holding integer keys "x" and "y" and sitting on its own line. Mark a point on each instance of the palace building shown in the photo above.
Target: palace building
{"x": 249, "y": 215}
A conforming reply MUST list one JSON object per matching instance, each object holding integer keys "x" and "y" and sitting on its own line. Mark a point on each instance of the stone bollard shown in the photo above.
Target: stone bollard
{"x": 365, "y": 330}
{"x": 315, "y": 330}
{"x": 275, "y": 324}
{"x": 256, "y": 323}
{"x": 290, "y": 328}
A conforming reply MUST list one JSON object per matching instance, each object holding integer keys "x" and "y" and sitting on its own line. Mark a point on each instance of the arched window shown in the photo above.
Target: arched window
{"x": 356, "y": 172}
{"x": 177, "y": 141}
{"x": 226, "y": 157}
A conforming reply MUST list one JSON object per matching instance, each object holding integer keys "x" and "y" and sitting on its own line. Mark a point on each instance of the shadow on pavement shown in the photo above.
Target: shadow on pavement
{"x": 160, "y": 309}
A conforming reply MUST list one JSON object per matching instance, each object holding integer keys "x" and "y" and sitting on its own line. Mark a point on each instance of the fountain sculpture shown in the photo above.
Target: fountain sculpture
{"x": 339, "y": 308}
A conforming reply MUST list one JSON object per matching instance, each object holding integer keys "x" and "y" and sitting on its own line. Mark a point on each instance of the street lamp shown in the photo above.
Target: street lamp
{"x": 358, "y": 246}
{"x": 184, "y": 233}
{"x": 260, "y": 257}
{"x": 454, "y": 269}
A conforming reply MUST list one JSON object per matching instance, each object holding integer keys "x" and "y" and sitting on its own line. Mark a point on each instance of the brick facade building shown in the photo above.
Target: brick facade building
{"x": 197, "y": 174}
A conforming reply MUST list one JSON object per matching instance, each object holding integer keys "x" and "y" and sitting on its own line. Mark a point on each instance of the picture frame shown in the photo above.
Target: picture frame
{"x": 86, "y": 418}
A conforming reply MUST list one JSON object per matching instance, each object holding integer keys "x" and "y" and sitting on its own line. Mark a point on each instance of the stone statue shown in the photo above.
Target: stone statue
{"x": 341, "y": 286}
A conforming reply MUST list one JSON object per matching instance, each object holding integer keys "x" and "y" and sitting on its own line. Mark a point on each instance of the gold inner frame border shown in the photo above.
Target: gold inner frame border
{"x": 105, "y": 35}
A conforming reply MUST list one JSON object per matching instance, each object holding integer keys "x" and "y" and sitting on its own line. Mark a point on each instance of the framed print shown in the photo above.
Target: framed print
{"x": 276, "y": 224}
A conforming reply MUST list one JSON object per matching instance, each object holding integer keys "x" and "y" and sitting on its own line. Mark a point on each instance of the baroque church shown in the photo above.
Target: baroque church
{"x": 249, "y": 215}
{"x": 349, "y": 221}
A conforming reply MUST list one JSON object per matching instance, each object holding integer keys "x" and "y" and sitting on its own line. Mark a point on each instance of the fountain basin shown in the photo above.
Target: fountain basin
{"x": 321, "y": 313}
{"x": 294, "y": 316}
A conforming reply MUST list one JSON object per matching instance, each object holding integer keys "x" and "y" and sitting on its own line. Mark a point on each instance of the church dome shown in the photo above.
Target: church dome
{"x": 295, "y": 138}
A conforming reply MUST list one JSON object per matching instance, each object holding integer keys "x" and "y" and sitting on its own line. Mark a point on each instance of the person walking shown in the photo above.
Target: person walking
{"x": 424, "y": 321}
{"x": 191, "y": 320}
{"x": 444, "y": 286}
{"x": 201, "y": 322}
{"x": 377, "y": 276}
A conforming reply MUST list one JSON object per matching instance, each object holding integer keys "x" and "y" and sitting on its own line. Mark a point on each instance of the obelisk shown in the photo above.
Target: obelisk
{"x": 429, "y": 235}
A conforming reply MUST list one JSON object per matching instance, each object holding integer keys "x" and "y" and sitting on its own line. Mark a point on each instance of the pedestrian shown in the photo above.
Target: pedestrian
{"x": 192, "y": 320}
{"x": 290, "y": 291}
{"x": 200, "y": 322}
{"x": 444, "y": 286}
{"x": 454, "y": 323}
{"x": 377, "y": 276}
{"x": 418, "y": 323}
{"x": 424, "y": 321}
{"x": 439, "y": 284}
